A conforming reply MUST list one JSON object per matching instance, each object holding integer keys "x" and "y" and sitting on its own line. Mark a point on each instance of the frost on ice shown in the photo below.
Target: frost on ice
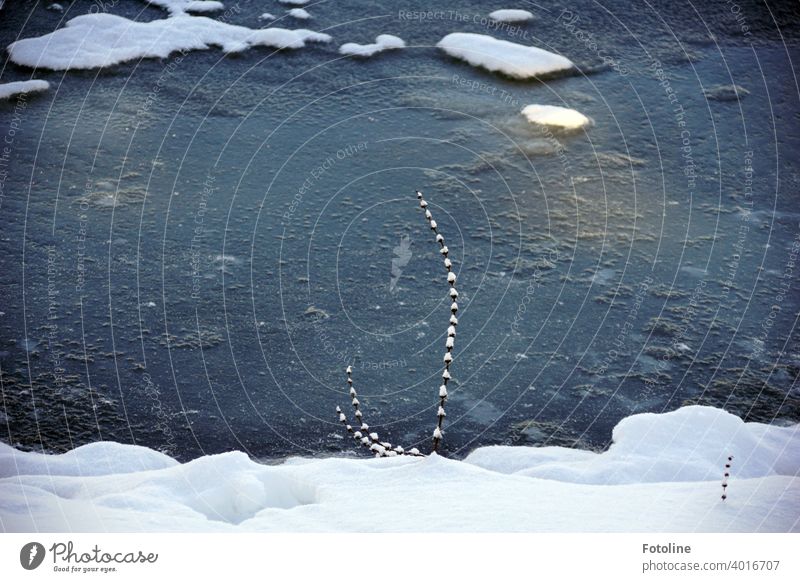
{"x": 511, "y": 15}
{"x": 8, "y": 90}
{"x": 102, "y": 40}
{"x": 502, "y": 56}
{"x": 383, "y": 42}
{"x": 554, "y": 116}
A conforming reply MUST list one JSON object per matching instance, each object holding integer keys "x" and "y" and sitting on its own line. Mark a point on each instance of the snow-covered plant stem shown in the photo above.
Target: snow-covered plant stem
{"x": 371, "y": 439}
{"x": 725, "y": 476}
{"x": 451, "y": 330}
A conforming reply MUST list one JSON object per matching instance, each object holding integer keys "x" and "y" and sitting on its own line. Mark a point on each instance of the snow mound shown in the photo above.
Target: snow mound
{"x": 553, "y": 116}
{"x": 299, "y": 13}
{"x": 266, "y": 16}
{"x": 514, "y": 60}
{"x": 8, "y": 90}
{"x": 663, "y": 473}
{"x": 725, "y": 92}
{"x": 383, "y": 42}
{"x": 177, "y": 7}
{"x": 294, "y": 2}
{"x": 102, "y": 40}
{"x": 510, "y": 15}
{"x": 689, "y": 444}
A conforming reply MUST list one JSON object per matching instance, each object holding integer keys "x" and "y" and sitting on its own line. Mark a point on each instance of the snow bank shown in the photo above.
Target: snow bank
{"x": 101, "y": 40}
{"x": 299, "y": 13}
{"x": 553, "y": 116}
{"x": 383, "y": 42}
{"x": 8, "y": 90}
{"x": 510, "y": 15}
{"x": 514, "y": 60}
{"x": 177, "y": 7}
{"x": 662, "y": 473}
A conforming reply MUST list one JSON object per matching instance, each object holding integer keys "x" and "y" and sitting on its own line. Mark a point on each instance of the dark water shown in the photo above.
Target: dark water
{"x": 192, "y": 271}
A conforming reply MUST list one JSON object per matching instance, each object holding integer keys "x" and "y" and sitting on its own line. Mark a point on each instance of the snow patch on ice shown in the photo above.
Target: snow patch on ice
{"x": 554, "y": 116}
{"x": 689, "y": 444}
{"x": 294, "y": 2}
{"x": 383, "y": 42}
{"x": 177, "y": 7}
{"x": 8, "y": 90}
{"x": 515, "y": 60}
{"x": 299, "y": 13}
{"x": 102, "y": 40}
{"x": 511, "y": 15}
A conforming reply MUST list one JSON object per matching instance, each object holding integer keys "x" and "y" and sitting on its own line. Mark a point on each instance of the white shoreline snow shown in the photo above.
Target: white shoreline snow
{"x": 383, "y": 42}
{"x": 663, "y": 472}
{"x": 514, "y": 60}
{"x": 102, "y": 40}
{"x": 554, "y": 116}
{"x": 511, "y": 15}
{"x": 8, "y": 90}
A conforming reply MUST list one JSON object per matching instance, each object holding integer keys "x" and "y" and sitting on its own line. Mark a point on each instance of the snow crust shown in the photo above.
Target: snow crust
{"x": 383, "y": 42}
{"x": 511, "y": 15}
{"x": 512, "y": 59}
{"x": 8, "y": 90}
{"x": 299, "y": 13}
{"x": 554, "y": 116}
{"x": 101, "y": 40}
{"x": 662, "y": 473}
{"x": 176, "y": 7}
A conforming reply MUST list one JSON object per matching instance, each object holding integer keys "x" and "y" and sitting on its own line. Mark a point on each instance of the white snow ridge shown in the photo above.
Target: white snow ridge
{"x": 510, "y": 15}
{"x": 554, "y": 116}
{"x": 102, "y": 40}
{"x": 8, "y": 90}
{"x": 383, "y": 42}
{"x": 514, "y": 60}
{"x": 662, "y": 473}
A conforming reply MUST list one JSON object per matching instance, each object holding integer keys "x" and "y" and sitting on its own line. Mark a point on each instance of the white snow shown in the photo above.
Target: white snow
{"x": 101, "y": 40}
{"x": 554, "y": 116}
{"x": 177, "y": 7}
{"x": 510, "y": 15}
{"x": 383, "y": 42}
{"x": 514, "y": 60}
{"x": 266, "y": 16}
{"x": 663, "y": 472}
{"x": 299, "y": 13}
{"x": 8, "y": 90}
{"x": 294, "y": 2}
